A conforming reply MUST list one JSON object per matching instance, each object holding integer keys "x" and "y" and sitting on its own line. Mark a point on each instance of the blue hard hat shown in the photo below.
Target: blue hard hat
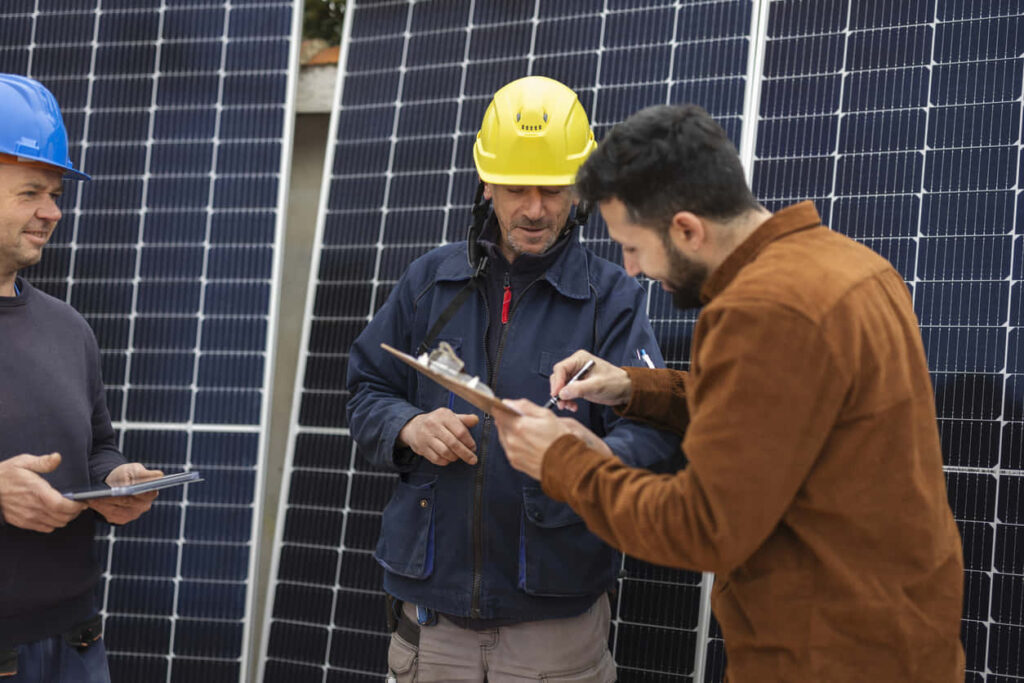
{"x": 31, "y": 126}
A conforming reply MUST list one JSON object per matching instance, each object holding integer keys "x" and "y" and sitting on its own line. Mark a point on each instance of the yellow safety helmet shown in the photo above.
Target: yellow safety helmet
{"x": 534, "y": 132}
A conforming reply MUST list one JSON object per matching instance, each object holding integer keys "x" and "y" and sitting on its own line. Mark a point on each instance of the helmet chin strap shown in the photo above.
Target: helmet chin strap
{"x": 577, "y": 218}
{"x": 477, "y": 254}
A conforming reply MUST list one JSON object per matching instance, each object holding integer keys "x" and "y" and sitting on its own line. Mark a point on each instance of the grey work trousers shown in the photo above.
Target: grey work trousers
{"x": 572, "y": 650}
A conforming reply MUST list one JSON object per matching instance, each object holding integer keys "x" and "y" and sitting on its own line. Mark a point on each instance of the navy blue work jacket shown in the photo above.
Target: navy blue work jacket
{"x": 484, "y": 541}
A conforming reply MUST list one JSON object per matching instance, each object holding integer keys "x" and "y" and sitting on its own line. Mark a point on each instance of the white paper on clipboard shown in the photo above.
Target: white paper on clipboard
{"x": 464, "y": 386}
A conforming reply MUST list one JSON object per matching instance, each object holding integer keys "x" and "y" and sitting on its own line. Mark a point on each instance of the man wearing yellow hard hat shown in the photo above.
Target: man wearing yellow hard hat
{"x": 488, "y": 578}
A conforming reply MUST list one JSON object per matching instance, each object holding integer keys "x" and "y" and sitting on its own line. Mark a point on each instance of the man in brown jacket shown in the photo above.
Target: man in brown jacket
{"x": 815, "y": 489}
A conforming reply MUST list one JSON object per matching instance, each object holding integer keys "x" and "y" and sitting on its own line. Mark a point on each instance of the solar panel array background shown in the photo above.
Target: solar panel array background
{"x": 901, "y": 120}
{"x": 178, "y": 109}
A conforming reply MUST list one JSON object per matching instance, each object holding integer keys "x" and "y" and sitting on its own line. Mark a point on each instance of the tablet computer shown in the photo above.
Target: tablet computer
{"x": 104, "y": 491}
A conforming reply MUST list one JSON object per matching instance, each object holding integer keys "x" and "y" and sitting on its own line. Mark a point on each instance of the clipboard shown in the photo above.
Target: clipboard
{"x": 104, "y": 491}
{"x": 462, "y": 385}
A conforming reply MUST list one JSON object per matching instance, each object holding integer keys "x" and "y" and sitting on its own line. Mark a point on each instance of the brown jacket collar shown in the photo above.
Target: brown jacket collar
{"x": 783, "y": 222}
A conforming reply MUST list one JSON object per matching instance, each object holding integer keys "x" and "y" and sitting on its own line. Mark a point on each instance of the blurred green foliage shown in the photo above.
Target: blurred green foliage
{"x": 322, "y": 19}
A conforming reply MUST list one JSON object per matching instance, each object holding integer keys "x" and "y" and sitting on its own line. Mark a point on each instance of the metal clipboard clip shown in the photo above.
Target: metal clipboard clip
{"x": 444, "y": 367}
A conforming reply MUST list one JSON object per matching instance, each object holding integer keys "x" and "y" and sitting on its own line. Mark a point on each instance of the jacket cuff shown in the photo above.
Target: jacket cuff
{"x": 400, "y": 458}
{"x": 646, "y": 398}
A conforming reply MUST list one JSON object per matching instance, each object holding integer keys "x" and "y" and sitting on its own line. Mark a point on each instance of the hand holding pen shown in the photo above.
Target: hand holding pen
{"x": 579, "y": 373}
{"x": 604, "y": 383}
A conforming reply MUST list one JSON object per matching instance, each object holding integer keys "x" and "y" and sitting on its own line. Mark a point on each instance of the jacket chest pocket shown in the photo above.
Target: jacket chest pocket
{"x": 406, "y": 543}
{"x": 546, "y": 360}
{"x": 558, "y": 556}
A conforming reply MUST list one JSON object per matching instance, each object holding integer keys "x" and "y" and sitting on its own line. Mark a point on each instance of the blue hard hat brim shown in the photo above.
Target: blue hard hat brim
{"x": 72, "y": 174}
{"x": 69, "y": 171}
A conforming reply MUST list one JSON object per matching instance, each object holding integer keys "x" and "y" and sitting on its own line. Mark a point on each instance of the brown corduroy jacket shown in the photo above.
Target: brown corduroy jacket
{"x": 814, "y": 489}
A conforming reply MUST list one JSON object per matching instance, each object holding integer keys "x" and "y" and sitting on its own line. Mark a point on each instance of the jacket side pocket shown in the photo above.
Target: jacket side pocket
{"x": 406, "y": 544}
{"x": 558, "y": 556}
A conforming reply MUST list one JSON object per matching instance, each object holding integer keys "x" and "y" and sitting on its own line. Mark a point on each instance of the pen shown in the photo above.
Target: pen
{"x": 642, "y": 355}
{"x": 579, "y": 373}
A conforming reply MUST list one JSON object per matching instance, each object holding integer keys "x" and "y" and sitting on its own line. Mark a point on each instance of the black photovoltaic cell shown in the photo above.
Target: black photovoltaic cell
{"x": 903, "y": 123}
{"x": 177, "y": 108}
{"x": 417, "y": 79}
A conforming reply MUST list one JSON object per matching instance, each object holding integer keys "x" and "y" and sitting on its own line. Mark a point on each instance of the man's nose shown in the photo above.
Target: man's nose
{"x": 533, "y": 204}
{"x": 49, "y": 211}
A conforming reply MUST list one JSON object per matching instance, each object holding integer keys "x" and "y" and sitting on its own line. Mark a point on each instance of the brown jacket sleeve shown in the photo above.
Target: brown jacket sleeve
{"x": 658, "y": 399}
{"x": 764, "y": 395}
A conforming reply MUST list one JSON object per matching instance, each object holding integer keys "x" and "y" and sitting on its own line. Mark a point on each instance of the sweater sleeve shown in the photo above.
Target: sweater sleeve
{"x": 104, "y": 454}
{"x": 765, "y": 393}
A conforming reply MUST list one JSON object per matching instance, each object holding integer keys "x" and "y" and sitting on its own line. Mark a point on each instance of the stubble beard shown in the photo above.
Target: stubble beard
{"x": 517, "y": 246}
{"x": 686, "y": 279}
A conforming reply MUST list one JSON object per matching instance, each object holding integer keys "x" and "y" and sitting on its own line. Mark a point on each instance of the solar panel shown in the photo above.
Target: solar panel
{"x": 903, "y": 121}
{"x": 414, "y": 81}
{"x": 180, "y": 110}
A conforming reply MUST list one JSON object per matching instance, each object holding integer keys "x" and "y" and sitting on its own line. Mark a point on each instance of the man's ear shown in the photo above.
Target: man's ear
{"x": 687, "y": 232}
{"x": 488, "y": 195}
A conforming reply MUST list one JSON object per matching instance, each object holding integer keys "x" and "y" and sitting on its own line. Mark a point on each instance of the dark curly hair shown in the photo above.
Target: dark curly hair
{"x": 665, "y": 159}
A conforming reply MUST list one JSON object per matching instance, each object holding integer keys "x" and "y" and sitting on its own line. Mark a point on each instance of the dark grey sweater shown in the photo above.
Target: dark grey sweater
{"x": 51, "y": 400}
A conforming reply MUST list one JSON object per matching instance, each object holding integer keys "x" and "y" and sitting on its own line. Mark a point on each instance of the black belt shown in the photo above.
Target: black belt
{"x": 398, "y": 623}
{"x": 85, "y": 634}
{"x": 8, "y": 663}
{"x": 408, "y": 630}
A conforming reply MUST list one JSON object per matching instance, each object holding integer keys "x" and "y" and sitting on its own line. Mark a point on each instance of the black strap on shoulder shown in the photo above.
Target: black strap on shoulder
{"x": 477, "y": 260}
{"x": 446, "y": 315}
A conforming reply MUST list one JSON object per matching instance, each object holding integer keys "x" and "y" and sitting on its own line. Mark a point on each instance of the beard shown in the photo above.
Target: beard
{"x": 546, "y": 239}
{"x": 685, "y": 278}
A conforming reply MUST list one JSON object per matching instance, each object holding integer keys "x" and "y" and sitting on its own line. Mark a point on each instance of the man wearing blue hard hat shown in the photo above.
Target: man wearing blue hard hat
{"x": 55, "y": 431}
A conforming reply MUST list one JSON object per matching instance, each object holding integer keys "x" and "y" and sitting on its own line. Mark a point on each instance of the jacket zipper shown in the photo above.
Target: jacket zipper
{"x": 478, "y": 488}
{"x": 478, "y": 482}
